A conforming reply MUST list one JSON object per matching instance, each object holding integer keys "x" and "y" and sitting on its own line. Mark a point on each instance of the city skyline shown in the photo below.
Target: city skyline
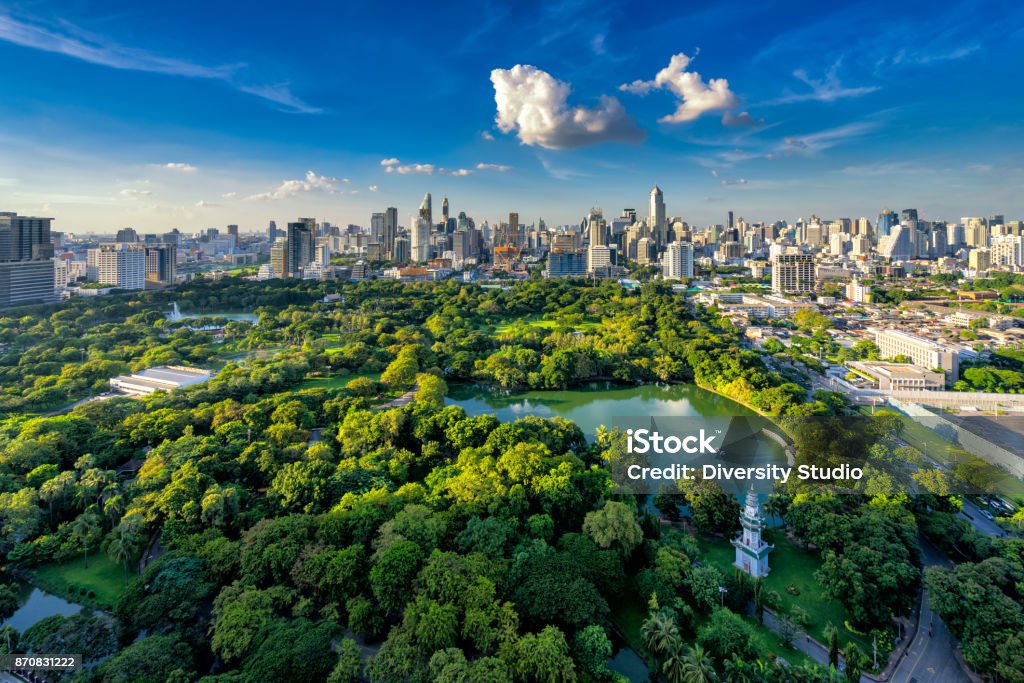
{"x": 159, "y": 119}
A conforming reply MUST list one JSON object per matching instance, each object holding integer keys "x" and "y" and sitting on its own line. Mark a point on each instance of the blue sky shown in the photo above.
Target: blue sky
{"x": 194, "y": 114}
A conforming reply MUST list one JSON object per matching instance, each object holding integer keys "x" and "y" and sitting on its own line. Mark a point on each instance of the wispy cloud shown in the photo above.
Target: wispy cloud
{"x": 178, "y": 166}
{"x": 134, "y": 192}
{"x": 77, "y": 43}
{"x": 492, "y": 167}
{"x": 728, "y": 181}
{"x": 203, "y": 204}
{"x": 826, "y": 89}
{"x": 817, "y": 142}
{"x": 374, "y": 188}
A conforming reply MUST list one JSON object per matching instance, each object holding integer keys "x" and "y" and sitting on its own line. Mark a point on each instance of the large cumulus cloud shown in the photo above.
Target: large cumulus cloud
{"x": 534, "y": 105}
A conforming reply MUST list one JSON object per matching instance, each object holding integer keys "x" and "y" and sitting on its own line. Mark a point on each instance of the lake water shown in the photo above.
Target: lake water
{"x": 37, "y": 606}
{"x": 597, "y": 403}
{"x": 245, "y": 317}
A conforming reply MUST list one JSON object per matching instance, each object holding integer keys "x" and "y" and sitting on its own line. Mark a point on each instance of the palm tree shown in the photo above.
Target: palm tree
{"x": 82, "y": 530}
{"x": 674, "y": 665}
{"x": 120, "y": 551}
{"x": 737, "y": 670}
{"x": 697, "y": 666}
{"x": 659, "y": 632}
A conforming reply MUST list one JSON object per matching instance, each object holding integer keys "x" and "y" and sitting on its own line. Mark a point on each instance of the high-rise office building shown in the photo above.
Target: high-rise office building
{"x": 514, "y": 231}
{"x": 444, "y": 211}
{"x": 24, "y": 238}
{"x": 387, "y": 238}
{"x": 887, "y": 220}
{"x": 299, "y": 244}
{"x": 658, "y": 222}
{"x": 121, "y": 265}
{"x": 233, "y": 232}
{"x": 26, "y": 260}
{"x": 377, "y": 227}
{"x": 677, "y": 262}
{"x": 161, "y": 265}
{"x": 793, "y": 272}
{"x": 279, "y": 258}
{"x": 126, "y": 235}
{"x": 597, "y": 229}
{"x": 272, "y": 232}
{"x": 419, "y": 236}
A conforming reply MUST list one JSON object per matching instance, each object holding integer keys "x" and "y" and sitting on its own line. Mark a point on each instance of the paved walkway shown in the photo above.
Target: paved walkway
{"x": 930, "y": 657}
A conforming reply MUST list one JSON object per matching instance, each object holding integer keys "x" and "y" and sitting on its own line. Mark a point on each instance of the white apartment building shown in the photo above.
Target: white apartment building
{"x": 121, "y": 265}
{"x": 792, "y": 272}
{"x": 599, "y": 257}
{"x": 922, "y": 352}
{"x": 677, "y": 262}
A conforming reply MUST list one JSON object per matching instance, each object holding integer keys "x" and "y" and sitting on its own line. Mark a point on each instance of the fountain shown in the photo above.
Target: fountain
{"x": 175, "y": 315}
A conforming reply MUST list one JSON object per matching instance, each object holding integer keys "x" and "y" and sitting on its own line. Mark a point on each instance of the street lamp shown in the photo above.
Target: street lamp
{"x": 722, "y": 590}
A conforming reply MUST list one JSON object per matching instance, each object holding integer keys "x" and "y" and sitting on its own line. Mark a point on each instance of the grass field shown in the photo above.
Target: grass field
{"x": 542, "y": 323}
{"x": 74, "y": 581}
{"x": 793, "y": 566}
{"x": 336, "y": 381}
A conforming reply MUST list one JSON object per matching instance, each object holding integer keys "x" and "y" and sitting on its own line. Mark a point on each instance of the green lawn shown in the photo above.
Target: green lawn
{"x": 335, "y": 381}
{"x": 103, "y": 577}
{"x": 629, "y": 614}
{"x": 793, "y": 566}
{"x": 542, "y": 323}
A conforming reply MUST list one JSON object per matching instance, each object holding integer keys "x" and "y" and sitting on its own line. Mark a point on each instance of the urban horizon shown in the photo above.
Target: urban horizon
{"x": 226, "y": 127}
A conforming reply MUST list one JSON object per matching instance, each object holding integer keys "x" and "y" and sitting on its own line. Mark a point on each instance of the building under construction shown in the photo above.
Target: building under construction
{"x": 509, "y": 240}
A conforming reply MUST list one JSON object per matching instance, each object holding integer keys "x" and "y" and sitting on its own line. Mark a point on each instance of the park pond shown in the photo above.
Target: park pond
{"x": 37, "y": 605}
{"x": 176, "y": 315}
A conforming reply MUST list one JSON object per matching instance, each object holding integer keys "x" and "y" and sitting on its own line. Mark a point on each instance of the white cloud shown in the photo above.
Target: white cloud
{"x": 486, "y": 135}
{"x": 311, "y": 183}
{"x": 534, "y": 104}
{"x": 492, "y": 167}
{"x": 696, "y": 97}
{"x": 389, "y": 162}
{"x": 202, "y": 204}
{"x": 133, "y": 192}
{"x": 74, "y": 42}
{"x": 229, "y": 195}
{"x": 740, "y": 120}
{"x": 179, "y": 166}
{"x": 374, "y": 188}
{"x": 407, "y": 169}
{"x": 458, "y": 172}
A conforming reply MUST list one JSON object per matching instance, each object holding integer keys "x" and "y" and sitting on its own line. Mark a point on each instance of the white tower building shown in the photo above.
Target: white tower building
{"x": 751, "y": 549}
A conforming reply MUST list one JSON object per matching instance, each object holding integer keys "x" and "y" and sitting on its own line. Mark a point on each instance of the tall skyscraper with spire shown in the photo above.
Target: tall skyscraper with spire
{"x": 659, "y": 225}
{"x": 444, "y": 211}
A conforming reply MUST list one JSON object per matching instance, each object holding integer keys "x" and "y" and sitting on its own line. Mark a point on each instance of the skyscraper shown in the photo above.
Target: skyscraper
{"x": 299, "y": 247}
{"x": 887, "y": 220}
{"x": 659, "y": 226}
{"x": 419, "y": 236}
{"x": 26, "y": 263}
{"x": 444, "y": 211}
{"x": 387, "y": 239}
{"x": 272, "y": 232}
{"x": 161, "y": 265}
{"x": 426, "y": 212}
{"x": 127, "y": 235}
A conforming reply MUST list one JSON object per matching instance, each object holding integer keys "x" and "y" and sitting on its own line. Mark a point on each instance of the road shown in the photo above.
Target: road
{"x": 930, "y": 657}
